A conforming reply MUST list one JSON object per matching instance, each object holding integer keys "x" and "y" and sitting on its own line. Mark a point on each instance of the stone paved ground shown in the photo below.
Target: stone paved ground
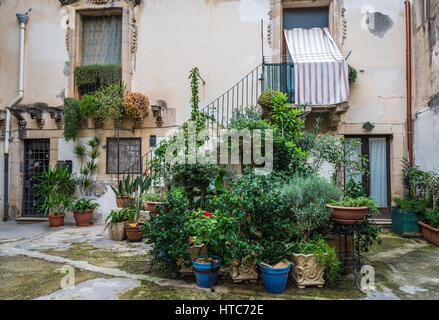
{"x": 33, "y": 256}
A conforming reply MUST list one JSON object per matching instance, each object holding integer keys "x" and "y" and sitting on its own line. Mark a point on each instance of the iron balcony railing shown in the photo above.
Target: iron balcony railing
{"x": 265, "y": 77}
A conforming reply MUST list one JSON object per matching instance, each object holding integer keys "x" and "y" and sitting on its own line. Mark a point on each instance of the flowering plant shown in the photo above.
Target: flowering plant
{"x": 135, "y": 105}
{"x": 208, "y": 228}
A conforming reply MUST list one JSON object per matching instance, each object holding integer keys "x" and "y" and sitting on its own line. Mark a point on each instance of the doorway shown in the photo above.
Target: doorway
{"x": 376, "y": 182}
{"x": 36, "y": 160}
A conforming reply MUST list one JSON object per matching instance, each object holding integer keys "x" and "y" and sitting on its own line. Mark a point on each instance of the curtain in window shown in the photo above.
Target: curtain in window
{"x": 355, "y": 175}
{"x": 378, "y": 170}
{"x": 102, "y": 40}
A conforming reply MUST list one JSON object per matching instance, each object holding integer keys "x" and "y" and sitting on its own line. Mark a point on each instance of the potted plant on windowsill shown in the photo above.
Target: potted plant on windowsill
{"x": 83, "y": 211}
{"x": 117, "y": 224}
{"x": 352, "y": 210}
{"x": 430, "y": 226}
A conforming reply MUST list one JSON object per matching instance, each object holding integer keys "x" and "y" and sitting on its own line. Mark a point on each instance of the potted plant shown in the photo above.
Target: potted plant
{"x": 55, "y": 206}
{"x": 124, "y": 191}
{"x": 203, "y": 225}
{"x": 430, "y": 226}
{"x": 275, "y": 276}
{"x": 55, "y": 186}
{"x": 153, "y": 200}
{"x": 406, "y": 216}
{"x": 117, "y": 224}
{"x": 132, "y": 225}
{"x": 419, "y": 187}
{"x": 83, "y": 211}
{"x": 314, "y": 261}
{"x": 352, "y": 210}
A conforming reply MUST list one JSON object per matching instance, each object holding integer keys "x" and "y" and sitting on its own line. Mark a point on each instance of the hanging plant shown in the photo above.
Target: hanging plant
{"x": 109, "y": 102}
{"x": 72, "y": 118}
{"x": 352, "y": 75}
{"x": 135, "y": 105}
{"x": 87, "y": 106}
{"x": 91, "y": 77}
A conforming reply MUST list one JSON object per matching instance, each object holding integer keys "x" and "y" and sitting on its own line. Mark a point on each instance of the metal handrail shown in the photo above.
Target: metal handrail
{"x": 273, "y": 76}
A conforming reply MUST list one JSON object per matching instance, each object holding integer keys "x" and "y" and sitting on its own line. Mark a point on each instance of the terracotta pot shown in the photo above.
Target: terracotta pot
{"x": 117, "y": 233}
{"x": 56, "y": 221}
{"x": 134, "y": 234}
{"x": 83, "y": 217}
{"x": 430, "y": 234}
{"x": 151, "y": 207}
{"x": 125, "y": 202}
{"x": 348, "y": 215}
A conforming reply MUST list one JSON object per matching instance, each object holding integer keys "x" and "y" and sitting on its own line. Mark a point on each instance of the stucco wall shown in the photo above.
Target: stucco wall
{"x": 426, "y": 89}
{"x": 376, "y": 39}
{"x": 222, "y": 38}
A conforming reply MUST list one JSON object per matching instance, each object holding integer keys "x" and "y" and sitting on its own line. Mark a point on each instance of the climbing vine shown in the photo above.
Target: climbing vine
{"x": 72, "y": 118}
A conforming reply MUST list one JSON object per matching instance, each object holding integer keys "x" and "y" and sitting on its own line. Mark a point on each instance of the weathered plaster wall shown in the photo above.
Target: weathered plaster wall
{"x": 375, "y": 36}
{"x": 221, "y": 37}
{"x": 426, "y": 89}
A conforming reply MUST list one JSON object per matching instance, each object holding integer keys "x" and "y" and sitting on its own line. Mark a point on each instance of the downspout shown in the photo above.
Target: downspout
{"x": 409, "y": 83}
{"x": 22, "y": 18}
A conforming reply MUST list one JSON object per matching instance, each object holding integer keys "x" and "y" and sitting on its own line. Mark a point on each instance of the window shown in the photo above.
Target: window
{"x": 377, "y": 182}
{"x": 102, "y": 40}
{"x": 128, "y": 157}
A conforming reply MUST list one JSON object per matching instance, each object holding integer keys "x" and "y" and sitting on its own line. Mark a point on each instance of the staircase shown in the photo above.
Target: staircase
{"x": 265, "y": 77}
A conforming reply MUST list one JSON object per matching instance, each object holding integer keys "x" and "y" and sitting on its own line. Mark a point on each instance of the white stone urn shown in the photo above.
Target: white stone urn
{"x": 306, "y": 272}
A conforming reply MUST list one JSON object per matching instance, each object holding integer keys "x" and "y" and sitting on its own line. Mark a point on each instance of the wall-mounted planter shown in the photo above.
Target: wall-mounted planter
{"x": 405, "y": 223}
{"x": 430, "y": 234}
{"x": 307, "y": 272}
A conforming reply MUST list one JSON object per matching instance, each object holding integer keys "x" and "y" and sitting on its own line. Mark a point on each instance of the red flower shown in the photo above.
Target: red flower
{"x": 207, "y": 214}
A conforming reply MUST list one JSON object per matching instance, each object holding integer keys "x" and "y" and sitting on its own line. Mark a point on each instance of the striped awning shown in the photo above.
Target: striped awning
{"x": 321, "y": 72}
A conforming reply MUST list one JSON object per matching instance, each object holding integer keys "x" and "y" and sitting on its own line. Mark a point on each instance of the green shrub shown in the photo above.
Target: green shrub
{"x": 307, "y": 197}
{"x": 168, "y": 233}
{"x": 432, "y": 218}
{"x": 418, "y": 206}
{"x": 352, "y": 75}
{"x": 72, "y": 118}
{"x": 109, "y": 102}
{"x": 266, "y": 99}
{"x": 87, "y": 106}
{"x": 326, "y": 256}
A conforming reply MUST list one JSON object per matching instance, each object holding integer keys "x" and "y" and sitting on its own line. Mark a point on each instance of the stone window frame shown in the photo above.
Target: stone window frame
{"x": 337, "y": 21}
{"x": 75, "y": 12}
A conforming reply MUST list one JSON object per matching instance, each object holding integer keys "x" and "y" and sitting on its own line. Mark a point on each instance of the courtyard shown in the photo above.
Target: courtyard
{"x": 32, "y": 257}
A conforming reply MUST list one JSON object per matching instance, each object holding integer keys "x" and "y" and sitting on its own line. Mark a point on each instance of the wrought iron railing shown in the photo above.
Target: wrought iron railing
{"x": 277, "y": 77}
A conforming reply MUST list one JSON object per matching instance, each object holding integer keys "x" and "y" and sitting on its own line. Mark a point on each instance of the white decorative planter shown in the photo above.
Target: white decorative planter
{"x": 306, "y": 272}
{"x": 117, "y": 233}
{"x": 249, "y": 272}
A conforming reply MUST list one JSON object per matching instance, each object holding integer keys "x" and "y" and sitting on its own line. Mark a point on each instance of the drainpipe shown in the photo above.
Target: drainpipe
{"x": 409, "y": 82}
{"x": 22, "y": 18}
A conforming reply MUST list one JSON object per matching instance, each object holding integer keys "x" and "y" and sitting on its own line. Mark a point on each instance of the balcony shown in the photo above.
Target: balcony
{"x": 279, "y": 77}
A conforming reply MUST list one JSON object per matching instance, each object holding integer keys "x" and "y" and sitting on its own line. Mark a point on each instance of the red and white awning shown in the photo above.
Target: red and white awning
{"x": 321, "y": 72}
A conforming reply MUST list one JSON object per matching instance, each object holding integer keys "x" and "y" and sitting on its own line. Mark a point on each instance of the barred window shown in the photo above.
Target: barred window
{"x": 129, "y": 155}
